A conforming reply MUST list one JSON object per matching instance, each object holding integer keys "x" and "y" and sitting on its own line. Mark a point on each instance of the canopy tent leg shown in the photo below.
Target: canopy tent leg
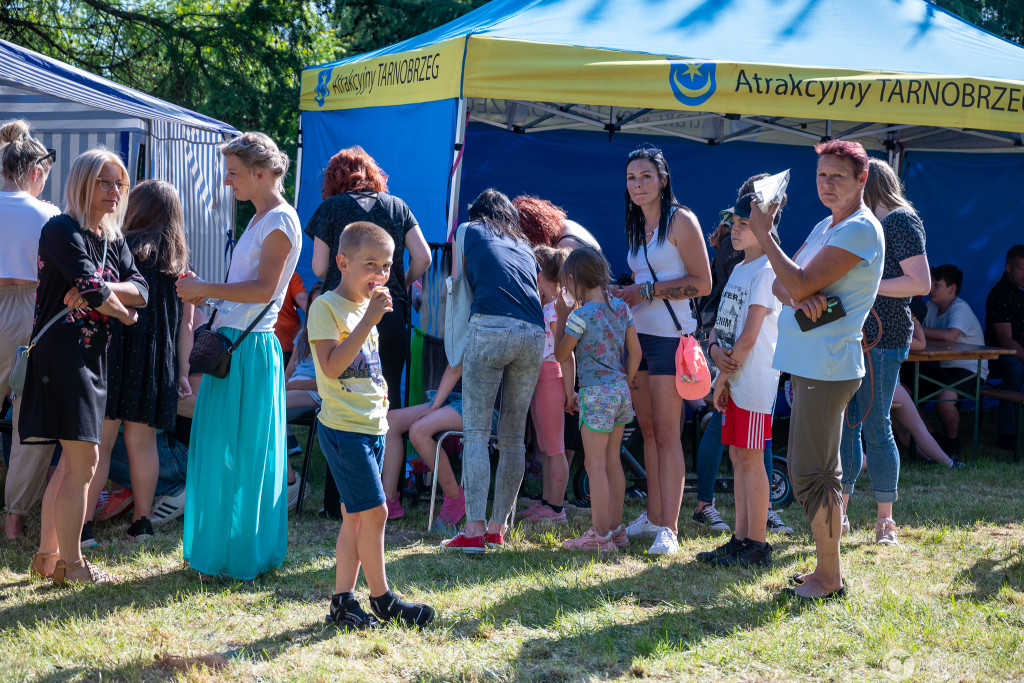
{"x": 298, "y": 167}
{"x": 455, "y": 177}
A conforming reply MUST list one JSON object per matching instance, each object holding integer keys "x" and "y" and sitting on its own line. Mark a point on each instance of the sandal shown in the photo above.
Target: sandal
{"x": 43, "y": 565}
{"x": 80, "y": 572}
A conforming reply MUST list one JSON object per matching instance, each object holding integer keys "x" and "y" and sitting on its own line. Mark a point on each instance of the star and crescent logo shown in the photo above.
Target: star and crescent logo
{"x": 322, "y": 79}
{"x": 693, "y": 83}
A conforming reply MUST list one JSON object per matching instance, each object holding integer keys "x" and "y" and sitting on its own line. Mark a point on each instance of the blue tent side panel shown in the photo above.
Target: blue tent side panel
{"x": 413, "y": 143}
{"x": 971, "y": 206}
{"x": 584, "y": 173}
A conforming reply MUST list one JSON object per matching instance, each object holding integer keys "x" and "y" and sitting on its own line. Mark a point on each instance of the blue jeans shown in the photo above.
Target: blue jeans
{"x": 709, "y": 458}
{"x": 1011, "y": 370}
{"x": 503, "y": 353}
{"x": 173, "y": 462}
{"x": 880, "y": 446}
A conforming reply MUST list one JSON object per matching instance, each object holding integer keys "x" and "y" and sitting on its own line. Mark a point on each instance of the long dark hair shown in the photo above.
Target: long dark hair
{"x": 495, "y": 210}
{"x": 154, "y": 227}
{"x": 634, "y": 214}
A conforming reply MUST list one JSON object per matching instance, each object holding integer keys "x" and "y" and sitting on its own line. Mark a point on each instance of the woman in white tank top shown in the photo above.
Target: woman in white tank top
{"x": 663, "y": 235}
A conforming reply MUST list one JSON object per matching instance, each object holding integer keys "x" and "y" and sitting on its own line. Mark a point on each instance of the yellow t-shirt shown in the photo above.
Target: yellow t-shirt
{"x": 358, "y": 400}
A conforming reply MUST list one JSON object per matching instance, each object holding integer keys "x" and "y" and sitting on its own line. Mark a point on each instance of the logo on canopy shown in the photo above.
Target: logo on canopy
{"x": 692, "y": 82}
{"x": 322, "y": 79}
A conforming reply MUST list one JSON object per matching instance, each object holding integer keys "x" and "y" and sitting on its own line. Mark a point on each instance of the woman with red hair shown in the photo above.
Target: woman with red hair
{"x": 827, "y": 289}
{"x": 544, "y": 223}
{"x": 356, "y": 189}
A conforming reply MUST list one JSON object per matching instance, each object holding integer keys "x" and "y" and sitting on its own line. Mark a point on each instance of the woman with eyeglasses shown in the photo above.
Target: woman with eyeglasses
{"x": 670, "y": 265}
{"x": 86, "y": 277}
{"x": 26, "y": 165}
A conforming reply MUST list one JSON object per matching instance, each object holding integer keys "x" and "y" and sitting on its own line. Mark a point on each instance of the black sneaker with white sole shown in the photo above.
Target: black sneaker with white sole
{"x": 349, "y": 616}
{"x": 776, "y": 525}
{"x": 390, "y": 607}
{"x": 708, "y": 516}
{"x": 140, "y": 530}
{"x": 88, "y": 539}
{"x": 730, "y": 547}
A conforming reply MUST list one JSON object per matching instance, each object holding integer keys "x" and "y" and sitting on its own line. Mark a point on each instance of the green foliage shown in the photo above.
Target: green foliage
{"x": 1004, "y": 18}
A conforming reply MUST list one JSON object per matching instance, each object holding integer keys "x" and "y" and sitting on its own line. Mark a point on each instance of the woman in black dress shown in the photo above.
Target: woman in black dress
{"x": 145, "y": 374}
{"x": 84, "y": 264}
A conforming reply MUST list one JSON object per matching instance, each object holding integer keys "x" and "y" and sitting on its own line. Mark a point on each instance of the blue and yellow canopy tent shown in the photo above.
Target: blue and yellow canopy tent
{"x": 72, "y": 110}
{"x": 547, "y": 96}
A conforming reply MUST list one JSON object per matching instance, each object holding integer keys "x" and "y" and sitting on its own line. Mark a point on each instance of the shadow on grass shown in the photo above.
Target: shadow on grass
{"x": 988, "y": 575}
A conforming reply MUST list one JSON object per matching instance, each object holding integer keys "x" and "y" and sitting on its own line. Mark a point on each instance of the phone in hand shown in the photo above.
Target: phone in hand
{"x": 833, "y": 311}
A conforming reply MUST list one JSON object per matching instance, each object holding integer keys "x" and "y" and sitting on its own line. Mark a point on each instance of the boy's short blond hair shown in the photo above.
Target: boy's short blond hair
{"x": 361, "y": 233}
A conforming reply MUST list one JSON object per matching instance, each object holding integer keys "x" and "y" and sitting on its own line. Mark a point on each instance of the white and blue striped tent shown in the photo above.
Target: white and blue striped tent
{"x": 72, "y": 110}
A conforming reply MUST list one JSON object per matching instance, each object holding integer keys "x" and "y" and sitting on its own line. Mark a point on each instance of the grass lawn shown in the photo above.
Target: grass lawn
{"x": 947, "y": 604}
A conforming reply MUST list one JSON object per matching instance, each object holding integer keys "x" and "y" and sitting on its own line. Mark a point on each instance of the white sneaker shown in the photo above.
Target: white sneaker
{"x": 166, "y": 508}
{"x": 665, "y": 543}
{"x": 641, "y": 526}
{"x": 293, "y": 493}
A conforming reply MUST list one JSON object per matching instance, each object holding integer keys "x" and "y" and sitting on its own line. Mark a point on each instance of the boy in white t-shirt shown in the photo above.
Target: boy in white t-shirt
{"x": 747, "y": 328}
{"x": 950, "y": 319}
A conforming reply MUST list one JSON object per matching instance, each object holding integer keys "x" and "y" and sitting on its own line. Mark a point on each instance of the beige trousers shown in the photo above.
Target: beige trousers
{"x": 26, "y": 475}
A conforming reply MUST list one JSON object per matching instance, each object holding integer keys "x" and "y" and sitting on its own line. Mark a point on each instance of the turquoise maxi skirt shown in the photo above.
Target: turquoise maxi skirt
{"x": 236, "y": 497}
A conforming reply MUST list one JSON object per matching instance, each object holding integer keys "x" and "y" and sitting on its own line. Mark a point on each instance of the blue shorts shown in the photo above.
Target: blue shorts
{"x": 659, "y": 354}
{"x": 355, "y": 461}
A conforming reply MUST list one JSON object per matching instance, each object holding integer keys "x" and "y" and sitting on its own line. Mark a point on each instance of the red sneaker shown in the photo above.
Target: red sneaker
{"x": 117, "y": 502}
{"x": 495, "y": 540}
{"x": 467, "y": 544}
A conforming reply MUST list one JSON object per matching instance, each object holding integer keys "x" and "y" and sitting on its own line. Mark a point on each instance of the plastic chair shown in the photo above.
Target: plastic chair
{"x": 307, "y": 418}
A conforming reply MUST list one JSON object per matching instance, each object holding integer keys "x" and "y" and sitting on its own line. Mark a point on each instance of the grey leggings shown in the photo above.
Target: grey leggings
{"x": 503, "y": 352}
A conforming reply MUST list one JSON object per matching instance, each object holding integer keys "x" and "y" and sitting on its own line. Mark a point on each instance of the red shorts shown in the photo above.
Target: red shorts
{"x": 744, "y": 429}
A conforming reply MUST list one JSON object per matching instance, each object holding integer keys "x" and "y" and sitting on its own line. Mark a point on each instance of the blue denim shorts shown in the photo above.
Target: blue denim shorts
{"x": 659, "y": 354}
{"x": 355, "y": 461}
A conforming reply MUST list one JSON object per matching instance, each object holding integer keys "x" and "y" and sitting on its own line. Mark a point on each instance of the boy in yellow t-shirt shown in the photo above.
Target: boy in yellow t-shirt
{"x": 353, "y": 422}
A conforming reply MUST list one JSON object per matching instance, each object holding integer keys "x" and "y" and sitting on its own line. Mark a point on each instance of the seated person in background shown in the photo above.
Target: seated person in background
{"x": 950, "y": 319}
{"x": 300, "y": 381}
{"x": 442, "y": 413}
{"x": 1004, "y": 327}
{"x": 288, "y": 323}
{"x": 906, "y": 421}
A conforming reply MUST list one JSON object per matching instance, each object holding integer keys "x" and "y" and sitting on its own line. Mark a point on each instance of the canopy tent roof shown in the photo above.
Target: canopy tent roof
{"x": 886, "y": 72}
{"x": 30, "y": 81}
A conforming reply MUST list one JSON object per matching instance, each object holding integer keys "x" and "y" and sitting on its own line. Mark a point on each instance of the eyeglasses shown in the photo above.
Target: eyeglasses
{"x": 106, "y": 184}
{"x": 51, "y": 154}
{"x": 645, "y": 153}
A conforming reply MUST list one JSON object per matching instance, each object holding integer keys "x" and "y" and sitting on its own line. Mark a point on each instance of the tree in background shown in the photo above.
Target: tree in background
{"x": 238, "y": 61}
{"x": 1004, "y": 18}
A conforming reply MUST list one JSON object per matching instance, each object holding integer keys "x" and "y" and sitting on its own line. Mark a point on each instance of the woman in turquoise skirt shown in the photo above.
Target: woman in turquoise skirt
{"x": 236, "y": 500}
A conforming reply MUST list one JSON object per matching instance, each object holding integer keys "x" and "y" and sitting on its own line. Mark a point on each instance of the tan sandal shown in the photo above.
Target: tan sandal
{"x": 80, "y": 572}
{"x": 43, "y": 565}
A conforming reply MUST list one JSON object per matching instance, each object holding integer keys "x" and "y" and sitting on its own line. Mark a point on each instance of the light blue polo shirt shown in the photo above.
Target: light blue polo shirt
{"x": 832, "y": 352}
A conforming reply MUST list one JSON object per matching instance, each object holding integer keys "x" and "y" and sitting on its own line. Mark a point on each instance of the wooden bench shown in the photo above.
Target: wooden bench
{"x": 1017, "y": 398}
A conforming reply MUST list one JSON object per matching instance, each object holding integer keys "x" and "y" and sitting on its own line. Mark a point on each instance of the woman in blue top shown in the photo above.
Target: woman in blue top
{"x": 504, "y": 346}
{"x": 842, "y": 258}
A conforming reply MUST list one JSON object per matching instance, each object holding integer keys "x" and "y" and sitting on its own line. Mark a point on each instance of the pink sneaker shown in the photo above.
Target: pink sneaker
{"x": 591, "y": 540}
{"x": 531, "y": 512}
{"x": 395, "y": 509}
{"x": 549, "y": 516}
{"x": 619, "y": 537}
{"x": 453, "y": 509}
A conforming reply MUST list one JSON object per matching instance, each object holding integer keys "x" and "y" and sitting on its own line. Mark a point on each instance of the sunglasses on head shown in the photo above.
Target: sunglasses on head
{"x": 51, "y": 154}
{"x": 645, "y": 153}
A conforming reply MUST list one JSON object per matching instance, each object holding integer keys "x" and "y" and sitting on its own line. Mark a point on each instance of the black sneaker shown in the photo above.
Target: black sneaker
{"x": 754, "y": 555}
{"x": 390, "y": 607}
{"x": 140, "y": 530}
{"x": 730, "y": 547}
{"x": 350, "y": 617}
{"x": 88, "y": 540}
{"x": 708, "y": 516}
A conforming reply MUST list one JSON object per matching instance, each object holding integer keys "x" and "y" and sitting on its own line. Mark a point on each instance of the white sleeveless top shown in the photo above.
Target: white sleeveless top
{"x": 653, "y": 317}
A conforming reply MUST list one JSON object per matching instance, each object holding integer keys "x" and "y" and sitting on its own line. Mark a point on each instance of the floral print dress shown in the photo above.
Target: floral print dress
{"x": 66, "y": 383}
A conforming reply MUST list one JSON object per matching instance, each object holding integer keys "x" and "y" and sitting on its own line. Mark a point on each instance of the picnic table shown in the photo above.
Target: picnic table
{"x": 935, "y": 351}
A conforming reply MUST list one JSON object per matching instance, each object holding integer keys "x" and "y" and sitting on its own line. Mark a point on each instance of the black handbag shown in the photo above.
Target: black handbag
{"x": 212, "y": 351}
